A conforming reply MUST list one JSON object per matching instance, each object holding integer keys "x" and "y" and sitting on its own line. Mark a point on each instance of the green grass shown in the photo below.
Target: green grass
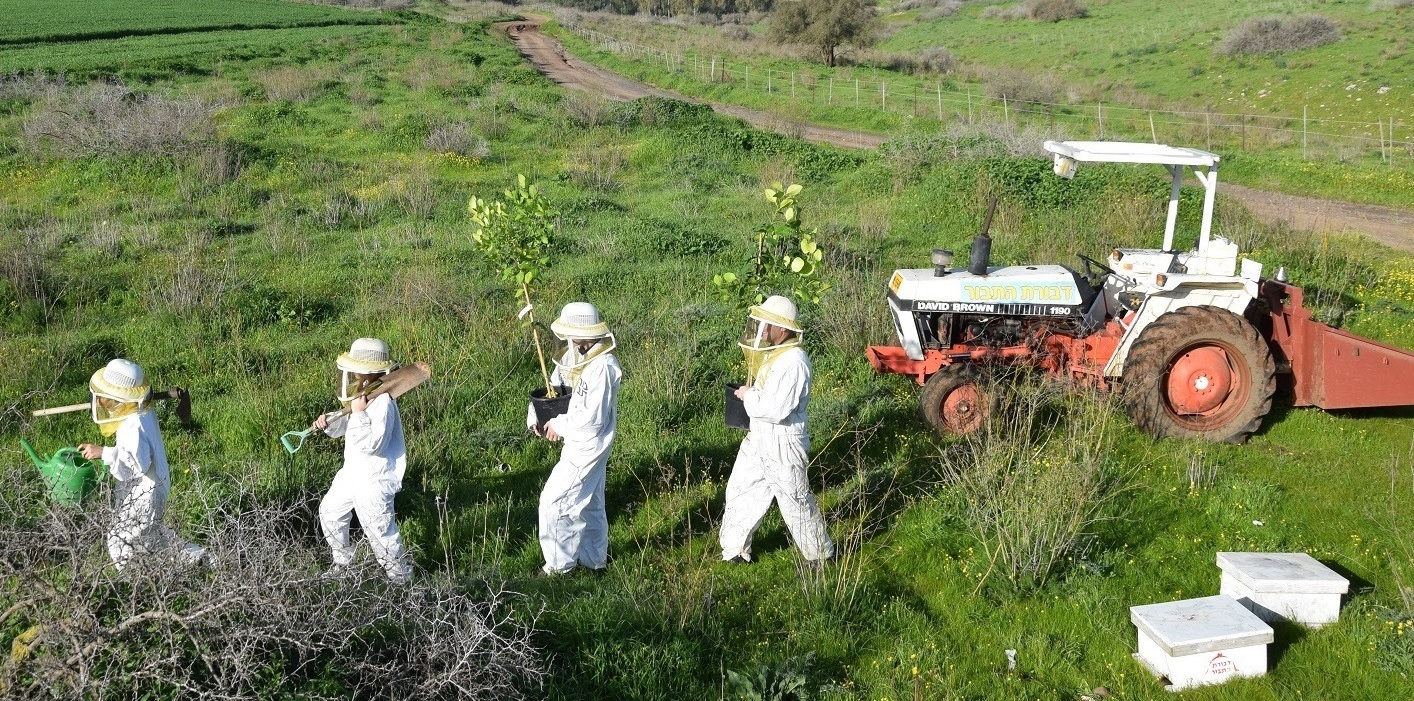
{"x": 38, "y": 21}
{"x": 339, "y": 223}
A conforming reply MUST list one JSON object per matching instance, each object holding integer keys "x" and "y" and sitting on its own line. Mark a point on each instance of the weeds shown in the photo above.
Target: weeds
{"x": 1039, "y": 10}
{"x": 290, "y": 83}
{"x": 1037, "y": 478}
{"x": 457, "y": 138}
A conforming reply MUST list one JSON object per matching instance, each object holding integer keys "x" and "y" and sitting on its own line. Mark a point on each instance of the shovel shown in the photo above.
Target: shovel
{"x": 396, "y": 384}
{"x": 182, "y": 396}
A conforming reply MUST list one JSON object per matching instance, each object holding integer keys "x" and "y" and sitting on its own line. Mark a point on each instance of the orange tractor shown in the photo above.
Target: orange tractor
{"x": 1195, "y": 341}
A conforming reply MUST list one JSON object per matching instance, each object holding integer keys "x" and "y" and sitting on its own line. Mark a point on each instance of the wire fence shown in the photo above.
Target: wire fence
{"x": 945, "y": 100}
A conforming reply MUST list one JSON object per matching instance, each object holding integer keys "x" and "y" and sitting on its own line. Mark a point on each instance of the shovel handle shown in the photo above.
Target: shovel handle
{"x": 60, "y": 409}
{"x": 292, "y": 446}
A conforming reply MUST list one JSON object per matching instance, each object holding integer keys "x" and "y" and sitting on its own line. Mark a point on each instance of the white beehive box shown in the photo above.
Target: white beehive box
{"x": 1201, "y": 641}
{"x": 1283, "y": 586}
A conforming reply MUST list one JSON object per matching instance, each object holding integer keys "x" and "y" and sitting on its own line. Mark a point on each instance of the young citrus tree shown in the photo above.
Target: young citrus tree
{"x": 514, "y": 234}
{"x": 786, "y": 260}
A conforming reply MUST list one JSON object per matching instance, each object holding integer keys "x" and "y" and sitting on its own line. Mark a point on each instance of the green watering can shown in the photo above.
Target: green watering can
{"x": 68, "y": 475}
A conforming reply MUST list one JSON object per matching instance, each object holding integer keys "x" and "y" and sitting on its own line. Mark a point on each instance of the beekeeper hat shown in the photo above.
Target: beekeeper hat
{"x": 579, "y": 320}
{"x": 777, "y": 311}
{"x": 366, "y": 356}
{"x": 121, "y": 380}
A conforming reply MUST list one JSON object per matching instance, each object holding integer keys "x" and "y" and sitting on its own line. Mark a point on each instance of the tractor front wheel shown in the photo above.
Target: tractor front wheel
{"x": 1200, "y": 372}
{"x": 955, "y": 400}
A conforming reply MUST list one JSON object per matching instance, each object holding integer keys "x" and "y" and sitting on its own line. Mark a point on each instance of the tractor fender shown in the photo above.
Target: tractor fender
{"x": 1223, "y": 292}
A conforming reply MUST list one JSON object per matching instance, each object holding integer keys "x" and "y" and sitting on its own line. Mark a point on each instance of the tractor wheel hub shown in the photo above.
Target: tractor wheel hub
{"x": 1200, "y": 380}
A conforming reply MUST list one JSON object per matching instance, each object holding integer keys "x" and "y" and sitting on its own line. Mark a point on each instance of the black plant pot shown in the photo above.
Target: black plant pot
{"x": 736, "y": 409}
{"x": 546, "y": 409}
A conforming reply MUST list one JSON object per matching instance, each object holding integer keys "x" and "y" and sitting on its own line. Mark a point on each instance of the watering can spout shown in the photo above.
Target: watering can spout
{"x": 33, "y": 456}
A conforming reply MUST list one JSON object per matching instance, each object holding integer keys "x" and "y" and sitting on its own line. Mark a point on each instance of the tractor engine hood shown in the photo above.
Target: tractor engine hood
{"x": 1018, "y": 290}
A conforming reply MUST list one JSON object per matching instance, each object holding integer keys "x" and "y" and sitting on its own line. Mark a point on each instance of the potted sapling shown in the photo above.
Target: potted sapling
{"x": 514, "y": 234}
{"x": 786, "y": 261}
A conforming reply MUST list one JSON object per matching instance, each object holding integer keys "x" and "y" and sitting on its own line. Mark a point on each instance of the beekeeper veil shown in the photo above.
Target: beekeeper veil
{"x": 117, "y": 390}
{"x": 579, "y": 321}
{"x": 775, "y": 311}
{"x": 367, "y": 356}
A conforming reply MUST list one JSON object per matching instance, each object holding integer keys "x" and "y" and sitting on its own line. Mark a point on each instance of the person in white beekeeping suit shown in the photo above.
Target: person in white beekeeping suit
{"x": 121, "y": 406}
{"x": 574, "y": 530}
{"x": 375, "y": 458}
{"x": 771, "y": 462}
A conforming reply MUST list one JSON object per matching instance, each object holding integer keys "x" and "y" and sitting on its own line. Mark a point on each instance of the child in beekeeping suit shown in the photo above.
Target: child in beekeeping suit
{"x": 574, "y": 529}
{"x": 121, "y": 406}
{"x": 770, "y": 466}
{"x": 375, "y": 458}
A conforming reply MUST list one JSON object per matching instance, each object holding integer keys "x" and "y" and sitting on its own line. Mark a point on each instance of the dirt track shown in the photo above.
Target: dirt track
{"x": 1392, "y": 227}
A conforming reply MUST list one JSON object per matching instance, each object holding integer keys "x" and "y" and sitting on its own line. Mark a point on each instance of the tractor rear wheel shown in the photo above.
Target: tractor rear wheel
{"x": 956, "y": 401}
{"x": 1200, "y": 372}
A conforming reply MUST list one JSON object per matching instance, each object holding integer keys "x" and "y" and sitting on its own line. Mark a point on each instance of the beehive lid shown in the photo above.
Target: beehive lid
{"x": 1282, "y": 573}
{"x": 1191, "y": 626}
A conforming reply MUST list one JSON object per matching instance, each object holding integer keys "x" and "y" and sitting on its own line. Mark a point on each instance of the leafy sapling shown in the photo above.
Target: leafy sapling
{"x": 514, "y": 234}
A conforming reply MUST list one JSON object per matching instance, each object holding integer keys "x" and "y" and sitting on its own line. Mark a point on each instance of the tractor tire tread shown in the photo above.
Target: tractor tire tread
{"x": 1149, "y": 356}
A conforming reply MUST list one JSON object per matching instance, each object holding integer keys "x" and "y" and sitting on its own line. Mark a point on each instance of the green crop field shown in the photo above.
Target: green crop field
{"x": 238, "y": 216}
{"x": 33, "y": 21}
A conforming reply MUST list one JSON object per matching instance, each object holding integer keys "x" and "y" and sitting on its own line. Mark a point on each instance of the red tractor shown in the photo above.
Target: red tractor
{"x": 1194, "y": 340}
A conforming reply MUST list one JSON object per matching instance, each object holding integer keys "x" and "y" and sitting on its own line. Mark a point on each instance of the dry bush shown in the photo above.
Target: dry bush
{"x": 586, "y": 109}
{"x": 256, "y": 621}
{"x": 108, "y": 119}
{"x": 1022, "y": 86}
{"x": 30, "y": 85}
{"x": 936, "y": 61}
{"x": 290, "y": 84}
{"x": 458, "y": 138}
{"x": 1037, "y": 477}
{"x": 1270, "y": 35}
{"x": 932, "y": 9}
{"x": 735, "y": 32}
{"x": 1391, "y": 4}
{"x": 1039, "y": 10}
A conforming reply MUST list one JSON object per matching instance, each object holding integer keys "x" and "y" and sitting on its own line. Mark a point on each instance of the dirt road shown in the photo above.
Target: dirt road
{"x": 1392, "y": 227}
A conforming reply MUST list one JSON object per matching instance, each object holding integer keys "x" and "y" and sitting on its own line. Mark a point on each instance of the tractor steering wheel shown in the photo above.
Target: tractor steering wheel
{"x": 1090, "y": 265}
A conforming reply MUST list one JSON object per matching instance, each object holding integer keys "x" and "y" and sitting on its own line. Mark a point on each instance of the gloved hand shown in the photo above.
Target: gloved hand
{"x": 90, "y": 451}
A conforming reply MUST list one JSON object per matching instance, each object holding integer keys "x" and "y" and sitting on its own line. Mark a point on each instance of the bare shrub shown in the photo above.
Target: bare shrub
{"x": 416, "y": 194}
{"x": 1270, "y": 35}
{"x": 112, "y": 119}
{"x": 1037, "y": 477}
{"x": 290, "y": 84}
{"x": 258, "y": 621}
{"x": 1391, "y": 4}
{"x": 458, "y": 138}
{"x": 586, "y": 109}
{"x": 934, "y": 60}
{"x": 932, "y": 9}
{"x": 30, "y": 85}
{"x": 1039, "y": 10}
{"x": 735, "y": 32}
{"x": 1022, "y": 86}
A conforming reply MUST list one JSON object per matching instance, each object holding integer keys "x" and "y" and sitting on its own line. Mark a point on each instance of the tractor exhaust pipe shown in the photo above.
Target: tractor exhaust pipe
{"x": 982, "y": 245}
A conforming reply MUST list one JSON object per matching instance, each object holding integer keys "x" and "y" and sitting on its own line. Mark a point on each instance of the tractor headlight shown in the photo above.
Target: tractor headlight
{"x": 942, "y": 260}
{"x": 1162, "y": 279}
{"x": 1065, "y": 166}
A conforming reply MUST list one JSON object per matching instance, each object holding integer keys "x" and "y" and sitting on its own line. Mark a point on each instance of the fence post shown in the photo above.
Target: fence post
{"x": 1208, "y": 126}
{"x": 748, "y": 76}
{"x": 1381, "y": 122}
{"x": 1006, "y": 113}
{"x": 792, "y": 85}
{"x": 1153, "y": 135}
{"x": 714, "y": 69}
{"x": 856, "y": 93}
{"x": 1303, "y": 132}
{"x": 1100, "y": 117}
{"x": 969, "y": 103}
{"x": 940, "y": 100}
{"x": 883, "y": 96}
{"x": 915, "y": 100}
{"x": 768, "y": 81}
{"x": 830, "y": 98}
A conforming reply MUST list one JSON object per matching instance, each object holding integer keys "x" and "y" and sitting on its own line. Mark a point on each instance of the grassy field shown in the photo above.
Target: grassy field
{"x": 241, "y": 261}
{"x": 35, "y": 21}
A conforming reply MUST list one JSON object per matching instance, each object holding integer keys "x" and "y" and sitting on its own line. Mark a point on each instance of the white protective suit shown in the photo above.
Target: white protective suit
{"x": 138, "y": 464}
{"x": 375, "y": 458}
{"x": 574, "y": 530}
{"x": 771, "y": 463}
